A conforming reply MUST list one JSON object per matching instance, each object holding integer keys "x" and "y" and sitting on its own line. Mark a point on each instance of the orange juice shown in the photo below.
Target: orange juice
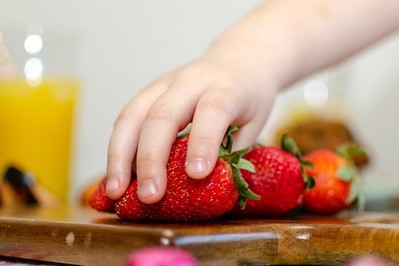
{"x": 36, "y": 130}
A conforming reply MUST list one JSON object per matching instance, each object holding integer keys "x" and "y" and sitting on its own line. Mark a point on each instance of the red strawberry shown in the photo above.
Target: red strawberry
{"x": 336, "y": 181}
{"x": 279, "y": 180}
{"x": 187, "y": 199}
{"x": 99, "y": 200}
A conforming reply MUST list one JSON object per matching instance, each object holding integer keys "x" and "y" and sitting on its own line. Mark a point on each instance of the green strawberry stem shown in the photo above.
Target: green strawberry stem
{"x": 349, "y": 150}
{"x": 289, "y": 145}
{"x": 349, "y": 173}
{"x": 237, "y": 162}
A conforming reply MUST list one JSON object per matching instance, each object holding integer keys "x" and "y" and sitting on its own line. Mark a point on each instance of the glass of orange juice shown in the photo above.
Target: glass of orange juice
{"x": 37, "y": 116}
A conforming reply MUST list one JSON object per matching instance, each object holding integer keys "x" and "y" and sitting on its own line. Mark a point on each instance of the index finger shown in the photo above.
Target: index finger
{"x": 124, "y": 139}
{"x": 121, "y": 151}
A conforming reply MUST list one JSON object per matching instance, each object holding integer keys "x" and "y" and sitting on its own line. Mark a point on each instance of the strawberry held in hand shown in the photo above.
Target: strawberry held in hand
{"x": 336, "y": 180}
{"x": 279, "y": 180}
{"x": 188, "y": 199}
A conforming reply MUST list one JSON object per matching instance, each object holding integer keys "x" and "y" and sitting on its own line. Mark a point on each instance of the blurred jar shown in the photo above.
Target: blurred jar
{"x": 38, "y": 101}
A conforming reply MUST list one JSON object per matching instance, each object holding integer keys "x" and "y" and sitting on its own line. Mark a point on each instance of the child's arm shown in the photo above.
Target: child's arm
{"x": 235, "y": 82}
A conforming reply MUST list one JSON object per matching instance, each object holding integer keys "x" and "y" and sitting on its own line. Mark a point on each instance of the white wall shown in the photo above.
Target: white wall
{"x": 125, "y": 44}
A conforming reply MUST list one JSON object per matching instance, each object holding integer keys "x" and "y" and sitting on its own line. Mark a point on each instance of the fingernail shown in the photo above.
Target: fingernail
{"x": 148, "y": 188}
{"x": 112, "y": 184}
{"x": 196, "y": 166}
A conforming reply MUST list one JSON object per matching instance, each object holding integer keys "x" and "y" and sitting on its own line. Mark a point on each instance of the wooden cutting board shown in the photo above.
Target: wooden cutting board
{"x": 76, "y": 235}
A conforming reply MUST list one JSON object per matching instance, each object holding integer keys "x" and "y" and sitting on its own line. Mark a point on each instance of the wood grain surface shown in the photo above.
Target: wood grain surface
{"x": 83, "y": 236}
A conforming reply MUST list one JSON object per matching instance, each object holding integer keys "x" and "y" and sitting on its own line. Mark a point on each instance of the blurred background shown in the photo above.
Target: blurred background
{"x": 114, "y": 48}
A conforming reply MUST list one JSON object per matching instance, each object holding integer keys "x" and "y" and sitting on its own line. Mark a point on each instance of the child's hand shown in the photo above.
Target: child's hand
{"x": 210, "y": 94}
{"x": 277, "y": 44}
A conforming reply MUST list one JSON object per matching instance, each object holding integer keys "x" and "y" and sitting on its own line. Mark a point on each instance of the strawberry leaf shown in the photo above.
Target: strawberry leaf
{"x": 355, "y": 194}
{"x": 350, "y": 150}
{"x": 236, "y": 156}
{"x": 306, "y": 164}
{"x": 244, "y": 192}
{"x": 288, "y": 144}
{"x": 237, "y": 162}
{"x": 230, "y": 130}
{"x": 346, "y": 173}
{"x": 229, "y": 139}
{"x": 246, "y": 165}
{"x": 310, "y": 182}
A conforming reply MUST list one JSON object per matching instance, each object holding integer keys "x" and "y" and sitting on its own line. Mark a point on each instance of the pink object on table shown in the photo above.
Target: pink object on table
{"x": 369, "y": 260}
{"x": 161, "y": 256}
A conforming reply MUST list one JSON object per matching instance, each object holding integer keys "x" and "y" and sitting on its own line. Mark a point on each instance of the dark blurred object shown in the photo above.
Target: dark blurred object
{"x": 19, "y": 188}
{"x": 21, "y": 184}
{"x": 317, "y": 133}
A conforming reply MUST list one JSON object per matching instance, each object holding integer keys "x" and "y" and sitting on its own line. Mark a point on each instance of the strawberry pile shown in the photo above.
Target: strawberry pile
{"x": 261, "y": 182}
{"x": 321, "y": 182}
{"x": 186, "y": 199}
